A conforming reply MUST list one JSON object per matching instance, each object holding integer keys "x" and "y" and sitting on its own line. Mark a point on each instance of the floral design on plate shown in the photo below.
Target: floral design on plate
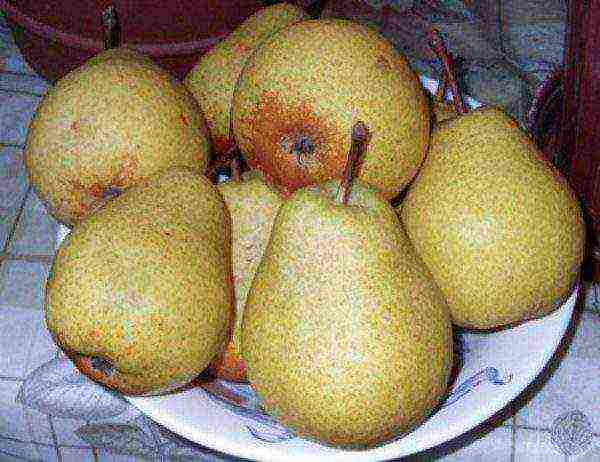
{"x": 487, "y": 375}
{"x": 244, "y": 402}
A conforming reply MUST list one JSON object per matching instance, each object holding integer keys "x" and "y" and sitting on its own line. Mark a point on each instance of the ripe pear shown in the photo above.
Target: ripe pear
{"x": 346, "y": 338}
{"x": 253, "y": 206}
{"x": 140, "y": 294}
{"x": 303, "y": 89}
{"x": 212, "y": 80}
{"x": 496, "y": 224}
{"x": 107, "y": 125}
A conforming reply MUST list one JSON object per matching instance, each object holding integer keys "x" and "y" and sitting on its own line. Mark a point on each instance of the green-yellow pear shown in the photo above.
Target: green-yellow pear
{"x": 140, "y": 293}
{"x": 496, "y": 224}
{"x": 114, "y": 121}
{"x": 346, "y": 338}
{"x": 302, "y": 90}
{"x": 253, "y": 206}
{"x": 212, "y": 80}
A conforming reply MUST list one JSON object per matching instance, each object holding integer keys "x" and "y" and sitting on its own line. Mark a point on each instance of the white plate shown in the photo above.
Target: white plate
{"x": 496, "y": 368}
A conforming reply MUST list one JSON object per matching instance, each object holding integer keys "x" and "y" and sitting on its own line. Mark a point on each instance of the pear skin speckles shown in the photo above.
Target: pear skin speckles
{"x": 498, "y": 227}
{"x": 346, "y": 338}
{"x": 145, "y": 286}
{"x": 119, "y": 110}
{"x": 327, "y": 74}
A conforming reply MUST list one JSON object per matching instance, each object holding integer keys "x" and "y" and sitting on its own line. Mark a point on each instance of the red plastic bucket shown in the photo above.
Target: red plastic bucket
{"x": 56, "y": 36}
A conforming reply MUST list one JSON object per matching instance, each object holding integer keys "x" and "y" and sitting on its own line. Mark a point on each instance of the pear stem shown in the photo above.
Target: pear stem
{"x": 437, "y": 44}
{"x": 111, "y": 28}
{"x": 359, "y": 141}
{"x": 236, "y": 170}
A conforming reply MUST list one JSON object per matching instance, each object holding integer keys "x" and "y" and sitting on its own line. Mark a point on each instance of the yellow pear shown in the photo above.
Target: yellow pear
{"x": 253, "y": 206}
{"x": 304, "y": 88}
{"x": 116, "y": 120}
{"x": 496, "y": 224}
{"x": 140, "y": 293}
{"x": 212, "y": 80}
{"x": 346, "y": 338}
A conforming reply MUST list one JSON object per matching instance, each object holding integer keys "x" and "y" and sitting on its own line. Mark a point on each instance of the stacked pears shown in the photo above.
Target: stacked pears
{"x": 345, "y": 319}
{"x": 298, "y": 277}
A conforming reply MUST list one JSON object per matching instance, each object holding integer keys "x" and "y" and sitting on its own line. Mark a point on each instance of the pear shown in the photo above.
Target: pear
{"x": 140, "y": 294}
{"x": 114, "y": 121}
{"x": 496, "y": 224}
{"x": 303, "y": 89}
{"x": 212, "y": 80}
{"x": 346, "y": 338}
{"x": 253, "y": 206}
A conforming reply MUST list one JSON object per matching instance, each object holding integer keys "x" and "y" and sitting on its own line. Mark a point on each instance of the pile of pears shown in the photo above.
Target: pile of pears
{"x": 297, "y": 275}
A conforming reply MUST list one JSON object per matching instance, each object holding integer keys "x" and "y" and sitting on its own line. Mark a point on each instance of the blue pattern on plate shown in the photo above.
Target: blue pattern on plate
{"x": 489, "y": 374}
{"x": 244, "y": 402}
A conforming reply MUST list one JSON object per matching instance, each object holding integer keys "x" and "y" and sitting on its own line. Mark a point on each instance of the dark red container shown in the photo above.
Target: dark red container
{"x": 55, "y": 36}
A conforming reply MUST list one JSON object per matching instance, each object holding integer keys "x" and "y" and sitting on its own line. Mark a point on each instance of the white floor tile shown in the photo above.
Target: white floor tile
{"x": 7, "y": 221}
{"x": 39, "y": 424}
{"x": 77, "y": 455}
{"x": 591, "y": 296}
{"x": 17, "y": 450}
{"x": 109, "y": 456}
{"x": 22, "y": 284}
{"x": 43, "y": 348}
{"x": 18, "y": 329}
{"x": 537, "y": 446}
{"x": 35, "y": 233}
{"x": 492, "y": 445}
{"x": 573, "y": 385}
{"x": 13, "y": 178}
{"x": 16, "y": 111}
{"x": 13, "y": 420}
{"x": 11, "y": 59}
{"x": 23, "y": 83}
{"x": 47, "y": 453}
{"x": 66, "y": 432}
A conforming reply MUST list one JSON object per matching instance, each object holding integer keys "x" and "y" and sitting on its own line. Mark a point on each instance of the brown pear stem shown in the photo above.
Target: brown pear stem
{"x": 441, "y": 90}
{"x": 358, "y": 146}
{"x": 111, "y": 28}
{"x": 437, "y": 44}
{"x": 236, "y": 170}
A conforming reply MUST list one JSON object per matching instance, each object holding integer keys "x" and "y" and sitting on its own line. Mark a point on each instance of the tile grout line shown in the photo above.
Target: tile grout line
{"x": 21, "y": 93}
{"x": 12, "y": 145}
{"x": 54, "y": 437}
{"x": 15, "y": 455}
{"x": 31, "y": 258}
{"x": 39, "y": 443}
{"x": 13, "y": 228}
{"x": 513, "y": 438}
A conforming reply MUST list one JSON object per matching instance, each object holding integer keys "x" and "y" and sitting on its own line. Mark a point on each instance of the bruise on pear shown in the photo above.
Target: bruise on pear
{"x": 89, "y": 197}
{"x": 292, "y": 145}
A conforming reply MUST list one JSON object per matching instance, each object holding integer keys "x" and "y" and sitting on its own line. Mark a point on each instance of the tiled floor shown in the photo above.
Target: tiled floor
{"x": 33, "y": 426}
